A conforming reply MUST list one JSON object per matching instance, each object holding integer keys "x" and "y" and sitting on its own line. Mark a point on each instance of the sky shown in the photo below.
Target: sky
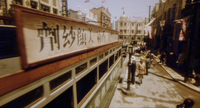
{"x": 132, "y": 8}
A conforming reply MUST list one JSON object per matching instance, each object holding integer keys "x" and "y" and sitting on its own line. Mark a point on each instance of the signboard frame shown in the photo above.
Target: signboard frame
{"x": 28, "y": 35}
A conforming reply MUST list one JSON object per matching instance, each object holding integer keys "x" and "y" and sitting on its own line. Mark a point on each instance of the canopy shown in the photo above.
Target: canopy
{"x": 149, "y": 24}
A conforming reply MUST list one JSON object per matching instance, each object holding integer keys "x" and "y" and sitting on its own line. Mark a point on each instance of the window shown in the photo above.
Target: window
{"x": 111, "y": 60}
{"x": 93, "y": 61}
{"x": 139, "y": 31}
{"x": 64, "y": 100}
{"x": 121, "y": 31}
{"x": 103, "y": 68}
{"x": 59, "y": 80}
{"x": 55, "y": 11}
{"x": 116, "y": 55}
{"x": 81, "y": 68}
{"x": 45, "y": 8}
{"x": 100, "y": 56}
{"x": 132, "y": 24}
{"x": 34, "y": 4}
{"x": 85, "y": 84}
{"x": 106, "y": 53}
{"x": 17, "y": 2}
{"x": 124, "y": 24}
{"x": 121, "y": 24}
{"x": 120, "y": 52}
{"x": 2, "y": 4}
{"x": 25, "y": 99}
{"x": 124, "y": 31}
{"x": 8, "y": 43}
{"x": 132, "y": 31}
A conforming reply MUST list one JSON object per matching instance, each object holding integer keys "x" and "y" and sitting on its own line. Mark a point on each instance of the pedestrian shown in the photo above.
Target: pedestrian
{"x": 133, "y": 69}
{"x": 172, "y": 59}
{"x": 162, "y": 57}
{"x": 147, "y": 63}
{"x": 141, "y": 69}
{"x": 181, "y": 60}
{"x": 186, "y": 71}
{"x": 188, "y": 103}
{"x": 151, "y": 58}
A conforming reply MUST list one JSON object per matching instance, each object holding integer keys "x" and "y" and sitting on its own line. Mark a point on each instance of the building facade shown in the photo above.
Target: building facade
{"x": 103, "y": 16}
{"x": 73, "y": 14}
{"x": 6, "y": 11}
{"x": 176, "y": 29}
{"x": 86, "y": 16}
{"x": 130, "y": 29}
{"x": 191, "y": 14}
{"x": 165, "y": 31}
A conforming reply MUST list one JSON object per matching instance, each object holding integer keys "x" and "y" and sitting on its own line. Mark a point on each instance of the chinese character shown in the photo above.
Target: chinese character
{"x": 81, "y": 37}
{"x": 67, "y": 36}
{"x": 99, "y": 37}
{"x": 49, "y": 36}
{"x": 90, "y": 35}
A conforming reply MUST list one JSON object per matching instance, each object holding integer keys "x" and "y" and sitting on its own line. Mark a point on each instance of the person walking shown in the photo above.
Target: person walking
{"x": 141, "y": 69}
{"x": 147, "y": 63}
{"x": 181, "y": 60}
{"x": 133, "y": 69}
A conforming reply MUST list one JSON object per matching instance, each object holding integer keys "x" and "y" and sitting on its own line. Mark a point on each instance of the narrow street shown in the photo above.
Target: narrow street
{"x": 158, "y": 90}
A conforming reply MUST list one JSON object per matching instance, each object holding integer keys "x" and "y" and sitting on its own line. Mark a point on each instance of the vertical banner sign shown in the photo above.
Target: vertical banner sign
{"x": 64, "y": 7}
{"x": 183, "y": 31}
{"x": 45, "y": 37}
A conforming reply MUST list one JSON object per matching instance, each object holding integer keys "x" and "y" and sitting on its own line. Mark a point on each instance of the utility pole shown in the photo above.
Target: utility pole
{"x": 149, "y": 12}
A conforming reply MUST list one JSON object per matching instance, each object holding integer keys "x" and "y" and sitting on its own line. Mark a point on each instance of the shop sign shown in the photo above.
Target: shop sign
{"x": 48, "y": 37}
{"x": 183, "y": 28}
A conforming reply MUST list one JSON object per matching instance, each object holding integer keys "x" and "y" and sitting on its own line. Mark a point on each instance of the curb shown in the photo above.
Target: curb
{"x": 197, "y": 89}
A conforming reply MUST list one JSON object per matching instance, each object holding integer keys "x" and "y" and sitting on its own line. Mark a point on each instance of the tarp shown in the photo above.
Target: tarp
{"x": 148, "y": 28}
{"x": 150, "y": 23}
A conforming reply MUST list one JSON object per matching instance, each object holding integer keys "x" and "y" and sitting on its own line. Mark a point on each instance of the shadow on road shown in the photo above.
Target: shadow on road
{"x": 162, "y": 76}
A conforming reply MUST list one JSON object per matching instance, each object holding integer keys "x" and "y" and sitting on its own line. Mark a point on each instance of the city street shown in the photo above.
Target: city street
{"x": 158, "y": 90}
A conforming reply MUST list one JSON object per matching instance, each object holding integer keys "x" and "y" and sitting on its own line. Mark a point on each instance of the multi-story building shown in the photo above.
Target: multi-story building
{"x": 191, "y": 13}
{"x": 6, "y": 11}
{"x": 176, "y": 29}
{"x": 103, "y": 16}
{"x": 73, "y": 14}
{"x": 164, "y": 31}
{"x": 130, "y": 29}
{"x": 86, "y": 16}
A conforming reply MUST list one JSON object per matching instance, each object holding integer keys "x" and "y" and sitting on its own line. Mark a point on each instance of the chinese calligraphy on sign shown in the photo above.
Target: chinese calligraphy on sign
{"x": 46, "y": 37}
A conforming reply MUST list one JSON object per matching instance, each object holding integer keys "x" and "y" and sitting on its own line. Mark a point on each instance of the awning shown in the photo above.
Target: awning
{"x": 150, "y": 23}
{"x": 148, "y": 28}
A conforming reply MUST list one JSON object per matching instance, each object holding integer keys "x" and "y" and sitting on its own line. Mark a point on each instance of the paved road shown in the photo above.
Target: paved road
{"x": 158, "y": 90}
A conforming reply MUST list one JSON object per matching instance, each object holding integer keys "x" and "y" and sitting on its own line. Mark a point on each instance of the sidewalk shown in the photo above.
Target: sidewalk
{"x": 178, "y": 77}
{"x": 154, "y": 92}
